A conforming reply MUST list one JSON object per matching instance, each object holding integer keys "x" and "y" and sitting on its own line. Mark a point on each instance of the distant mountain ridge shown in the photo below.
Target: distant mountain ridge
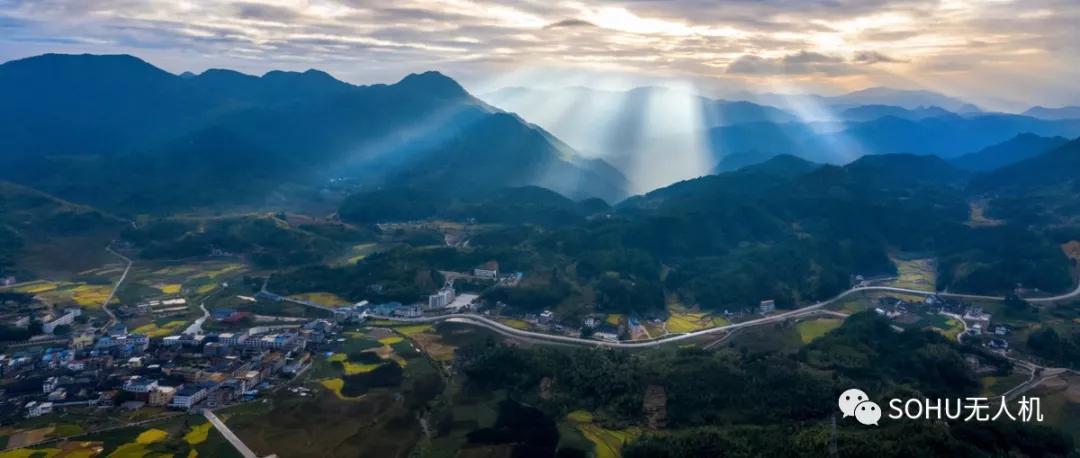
{"x": 1055, "y": 168}
{"x": 904, "y": 98}
{"x": 838, "y": 143}
{"x": 872, "y": 112}
{"x": 1068, "y": 112}
{"x": 1016, "y": 149}
{"x": 120, "y": 115}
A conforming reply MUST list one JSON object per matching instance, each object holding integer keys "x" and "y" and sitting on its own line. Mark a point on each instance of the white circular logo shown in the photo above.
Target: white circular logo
{"x": 851, "y": 398}
{"x": 868, "y": 413}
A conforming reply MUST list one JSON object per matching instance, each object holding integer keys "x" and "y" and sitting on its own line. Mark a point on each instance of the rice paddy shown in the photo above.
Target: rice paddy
{"x": 321, "y": 298}
{"x": 335, "y": 385}
{"x": 154, "y": 330}
{"x": 391, "y": 340}
{"x": 83, "y": 294}
{"x": 682, "y": 320}
{"x": 198, "y": 434}
{"x": 515, "y": 323}
{"x": 915, "y": 274}
{"x": 607, "y": 443}
{"x": 169, "y": 288}
{"x": 414, "y": 329}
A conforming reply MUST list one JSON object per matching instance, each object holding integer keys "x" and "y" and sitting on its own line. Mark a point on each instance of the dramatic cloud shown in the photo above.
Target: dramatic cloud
{"x": 756, "y": 44}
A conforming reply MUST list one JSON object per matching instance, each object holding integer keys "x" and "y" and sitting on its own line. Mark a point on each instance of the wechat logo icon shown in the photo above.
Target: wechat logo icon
{"x": 855, "y": 403}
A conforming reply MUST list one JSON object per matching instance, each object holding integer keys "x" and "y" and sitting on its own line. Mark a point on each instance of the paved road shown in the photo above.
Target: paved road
{"x": 484, "y": 321}
{"x": 105, "y": 305}
{"x": 196, "y": 326}
{"x": 229, "y": 435}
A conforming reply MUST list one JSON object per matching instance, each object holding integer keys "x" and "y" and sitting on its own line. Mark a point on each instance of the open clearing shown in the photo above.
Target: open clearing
{"x": 817, "y": 327}
{"x": 918, "y": 274}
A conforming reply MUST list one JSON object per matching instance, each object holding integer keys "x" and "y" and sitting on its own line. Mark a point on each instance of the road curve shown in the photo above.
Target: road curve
{"x": 486, "y": 322}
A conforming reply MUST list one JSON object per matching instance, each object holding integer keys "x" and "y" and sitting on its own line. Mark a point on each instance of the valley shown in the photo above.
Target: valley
{"x": 222, "y": 264}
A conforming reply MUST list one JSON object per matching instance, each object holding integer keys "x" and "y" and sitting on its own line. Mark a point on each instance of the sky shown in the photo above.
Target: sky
{"x": 1000, "y": 54}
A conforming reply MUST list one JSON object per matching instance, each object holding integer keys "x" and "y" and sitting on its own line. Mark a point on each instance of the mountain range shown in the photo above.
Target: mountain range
{"x": 135, "y": 138}
{"x": 903, "y": 98}
{"x": 1011, "y": 151}
{"x": 120, "y": 133}
{"x": 624, "y": 127}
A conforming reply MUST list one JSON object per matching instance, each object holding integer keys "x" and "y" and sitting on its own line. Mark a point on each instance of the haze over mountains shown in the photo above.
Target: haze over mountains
{"x": 625, "y": 127}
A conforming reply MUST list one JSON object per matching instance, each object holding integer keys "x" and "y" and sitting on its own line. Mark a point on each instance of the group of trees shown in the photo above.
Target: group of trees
{"x": 731, "y": 402}
{"x": 518, "y": 205}
{"x": 393, "y": 275}
{"x": 1056, "y": 349}
{"x": 267, "y": 242}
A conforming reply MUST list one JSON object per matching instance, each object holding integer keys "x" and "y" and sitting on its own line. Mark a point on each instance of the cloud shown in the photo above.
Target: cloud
{"x": 252, "y": 10}
{"x": 800, "y": 63}
{"x": 874, "y": 57}
{"x": 569, "y": 23}
{"x": 375, "y": 40}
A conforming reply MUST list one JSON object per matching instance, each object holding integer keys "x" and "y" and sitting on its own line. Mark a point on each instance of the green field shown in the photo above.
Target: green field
{"x": 811, "y": 329}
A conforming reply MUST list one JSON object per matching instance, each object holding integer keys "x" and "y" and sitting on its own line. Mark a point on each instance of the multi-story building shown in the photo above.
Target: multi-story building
{"x": 228, "y": 338}
{"x": 82, "y": 340}
{"x": 189, "y": 395}
{"x": 272, "y": 341}
{"x": 767, "y": 306}
{"x": 161, "y": 396}
{"x": 441, "y": 299}
{"x": 123, "y": 344}
{"x": 409, "y": 311}
{"x": 63, "y": 320}
{"x": 49, "y": 385}
{"x": 37, "y": 409}
{"x": 140, "y": 385}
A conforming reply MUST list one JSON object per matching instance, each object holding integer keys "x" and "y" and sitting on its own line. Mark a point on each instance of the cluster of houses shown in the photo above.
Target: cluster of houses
{"x": 22, "y": 315}
{"x": 359, "y": 312}
{"x": 129, "y": 371}
{"x": 978, "y": 322}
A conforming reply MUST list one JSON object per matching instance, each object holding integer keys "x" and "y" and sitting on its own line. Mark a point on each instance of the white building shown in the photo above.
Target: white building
{"x": 49, "y": 385}
{"x": 66, "y": 319}
{"x": 441, "y": 299}
{"x": 409, "y": 311}
{"x": 767, "y": 306}
{"x": 37, "y": 409}
{"x": 228, "y": 338}
{"x": 490, "y": 269}
{"x": 189, "y": 395}
{"x": 271, "y": 341}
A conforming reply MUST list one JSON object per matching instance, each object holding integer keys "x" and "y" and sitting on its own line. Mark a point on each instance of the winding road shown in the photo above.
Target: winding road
{"x": 480, "y": 320}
